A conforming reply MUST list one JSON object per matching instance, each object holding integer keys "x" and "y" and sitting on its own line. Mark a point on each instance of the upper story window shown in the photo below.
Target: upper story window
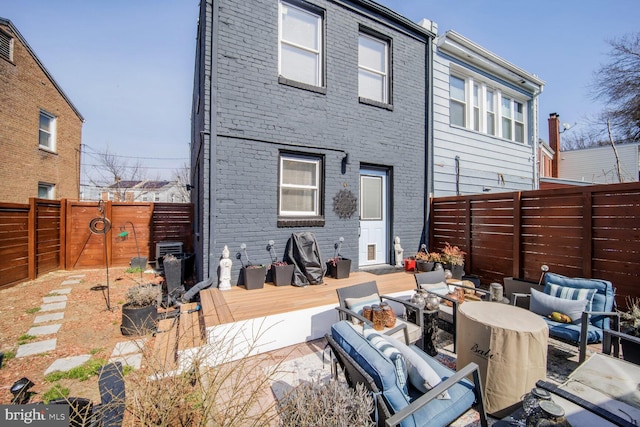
{"x": 46, "y": 191}
{"x": 501, "y": 114}
{"x": 300, "y": 186}
{"x": 301, "y": 39}
{"x": 6, "y": 46}
{"x": 373, "y": 68}
{"x": 47, "y": 134}
{"x": 457, "y": 102}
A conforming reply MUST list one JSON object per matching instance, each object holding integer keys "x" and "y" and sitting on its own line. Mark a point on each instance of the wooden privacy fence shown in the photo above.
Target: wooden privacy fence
{"x": 591, "y": 232}
{"x": 47, "y": 235}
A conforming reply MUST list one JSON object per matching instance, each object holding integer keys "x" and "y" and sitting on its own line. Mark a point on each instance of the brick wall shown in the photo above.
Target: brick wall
{"x": 257, "y": 117}
{"x": 25, "y": 89}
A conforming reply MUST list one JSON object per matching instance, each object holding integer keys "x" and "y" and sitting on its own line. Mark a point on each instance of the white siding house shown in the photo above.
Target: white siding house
{"x": 597, "y": 165}
{"x": 485, "y": 120}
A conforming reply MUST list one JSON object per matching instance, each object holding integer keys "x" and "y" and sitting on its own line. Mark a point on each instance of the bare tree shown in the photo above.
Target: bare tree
{"x": 617, "y": 83}
{"x": 115, "y": 172}
{"x": 182, "y": 176}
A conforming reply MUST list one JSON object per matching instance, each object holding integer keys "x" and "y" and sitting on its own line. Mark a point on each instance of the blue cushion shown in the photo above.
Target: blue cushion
{"x": 544, "y": 305}
{"x": 435, "y": 413}
{"x": 568, "y": 292}
{"x": 571, "y": 332}
{"x": 391, "y": 352}
{"x": 602, "y": 300}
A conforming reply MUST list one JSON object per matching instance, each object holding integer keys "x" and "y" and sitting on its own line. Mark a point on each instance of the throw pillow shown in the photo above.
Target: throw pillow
{"x": 440, "y": 288}
{"x": 544, "y": 305}
{"x": 421, "y": 375}
{"x": 567, "y": 292}
{"x": 391, "y": 353}
{"x": 357, "y": 304}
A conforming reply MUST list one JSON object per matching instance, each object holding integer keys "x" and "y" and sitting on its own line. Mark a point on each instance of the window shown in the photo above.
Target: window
{"x": 457, "y": 103}
{"x": 47, "y": 138}
{"x": 300, "y": 44}
{"x": 491, "y": 115}
{"x": 46, "y": 191}
{"x": 506, "y": 118}
{"x": 156, "y": 197}
{"x": 300, "y": 186}
{"x": 6, "y": 46}
{"x": 481, "y": 107}
{"x": 373, "y": 64}
{"x": 476, "y": 108}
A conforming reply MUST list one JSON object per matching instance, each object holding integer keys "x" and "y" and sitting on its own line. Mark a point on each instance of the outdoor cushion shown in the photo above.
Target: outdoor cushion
{"x": 381, "y": 369}
{"x": 568, "y": 292}
{"x": 357, "y": 304}
{"x": 389, "y": 350}
{"x": 571, "y": 331}
{"x": 544, "y": 304}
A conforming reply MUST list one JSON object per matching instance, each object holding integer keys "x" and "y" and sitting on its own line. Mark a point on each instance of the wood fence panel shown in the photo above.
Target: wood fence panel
{"x": 589, "y": 231}
{"x": 14, "y": 240}
{"x": 48, "y": 236}
{"x": 136, "y": 219}
{"x": 172, "y": 222}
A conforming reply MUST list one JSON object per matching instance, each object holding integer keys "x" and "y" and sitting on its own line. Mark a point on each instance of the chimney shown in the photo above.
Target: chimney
{"x": 554, "y": 142}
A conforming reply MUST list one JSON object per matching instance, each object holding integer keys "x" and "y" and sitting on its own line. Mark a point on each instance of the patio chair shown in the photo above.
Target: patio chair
{"x": 352, "y": 299}
{"x": 434, "y": 282}
{"x": 364, "y": 363}
{"x": 564, "y": 295}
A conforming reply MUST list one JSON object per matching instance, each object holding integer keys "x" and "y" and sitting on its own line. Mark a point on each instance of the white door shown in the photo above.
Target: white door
{"x": 373, "y": 217}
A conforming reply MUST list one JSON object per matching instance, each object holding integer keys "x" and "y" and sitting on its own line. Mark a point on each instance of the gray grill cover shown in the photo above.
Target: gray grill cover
{"x": 304, "y": 253}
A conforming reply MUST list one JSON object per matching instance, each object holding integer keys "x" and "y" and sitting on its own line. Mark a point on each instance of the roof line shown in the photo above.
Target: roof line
{"x": 13, "y": 28}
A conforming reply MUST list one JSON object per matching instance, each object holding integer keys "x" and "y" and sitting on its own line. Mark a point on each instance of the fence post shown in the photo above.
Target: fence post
{"x": 33, "y": 236}
{"x": 63, "y": 233}
{"x": 517, "y": 232}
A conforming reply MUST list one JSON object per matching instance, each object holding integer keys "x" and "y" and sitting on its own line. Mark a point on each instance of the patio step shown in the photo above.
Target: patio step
{"x": 189, "y": 332}
{"x": 165, "y": 345}
{"x": 177, "y": 334}
{"x": 215, "y": 310}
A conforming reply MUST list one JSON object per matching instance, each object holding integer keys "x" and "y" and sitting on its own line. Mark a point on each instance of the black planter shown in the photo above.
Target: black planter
{"x": 341, "y": 270}
{"x": 423, "y": 265}
{"x": 282, "y": 274}
{"x": 138, "y": 320}
{"x": 254, "y": 277}
{"x": 630, "y": 351}
{"x": 139, "y": 262}
{"x": 172, "y": 273}
{"x": 457, "y": 271}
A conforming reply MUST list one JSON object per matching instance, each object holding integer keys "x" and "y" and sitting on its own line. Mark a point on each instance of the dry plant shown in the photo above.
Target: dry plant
{"x": 220, "y": 384}
{"x": 143, "y": 295}
{"x": 327, "y": 404}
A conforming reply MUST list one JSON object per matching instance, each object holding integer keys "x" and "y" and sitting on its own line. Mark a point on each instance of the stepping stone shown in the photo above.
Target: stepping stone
{"x": 67, "y": 363}
{"x": 77, "y": 276}
{"x": 44, "y": 330}
{"x": 133, "y": 360}
{"x": 70, "y": 282}
{"x": 128, "y": 347}
{"x": 53, "y": 306}
{"x": 65, "y": 291}
{"x": 49, "y": 317}
{"x": 49, "y": 300}
{"x": 36, "y": 348}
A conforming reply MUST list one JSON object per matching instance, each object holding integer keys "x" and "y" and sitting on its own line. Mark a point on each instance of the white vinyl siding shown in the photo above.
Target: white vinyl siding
{"x": 300, "y": 47}
{"x": 299, "y": 186}
{"x": 373, "y": 64}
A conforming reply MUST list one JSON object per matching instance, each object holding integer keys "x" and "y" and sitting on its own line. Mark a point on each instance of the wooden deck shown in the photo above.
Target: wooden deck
{"x": 238, "y": 304}
{"x": 292, "y": 305}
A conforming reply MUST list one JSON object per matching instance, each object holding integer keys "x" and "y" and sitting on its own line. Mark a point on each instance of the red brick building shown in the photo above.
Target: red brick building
{"x": 40, "y": 131}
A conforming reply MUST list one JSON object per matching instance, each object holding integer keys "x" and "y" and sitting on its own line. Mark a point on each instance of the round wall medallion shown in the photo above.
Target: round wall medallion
{"x": 345, "y": 203}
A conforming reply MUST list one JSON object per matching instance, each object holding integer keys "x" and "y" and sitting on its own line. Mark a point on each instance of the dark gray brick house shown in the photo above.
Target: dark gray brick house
{"x": 309, "y": 116}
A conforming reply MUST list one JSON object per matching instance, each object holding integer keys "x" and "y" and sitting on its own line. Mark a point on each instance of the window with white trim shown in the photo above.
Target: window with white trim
{"x": 457, "y": 101}
{"x": 300, "y": 186}
{"x": 501, "y": 113}
{"x": 373, "y": 66}
{"x": 46, "y": 191}
{"x": 47, "y": 132}
{"x": 300, "y": 44}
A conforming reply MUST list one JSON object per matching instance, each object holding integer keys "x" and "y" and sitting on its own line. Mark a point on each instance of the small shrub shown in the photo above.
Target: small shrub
{"x": 143, "y": 295}
{"x": 330, "y": 404}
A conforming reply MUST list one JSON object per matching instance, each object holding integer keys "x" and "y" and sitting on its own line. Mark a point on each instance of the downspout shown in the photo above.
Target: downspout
{"x": 429, "y": 186}
{"x": 535, "y": 144}
{"x": 212, "y": 267}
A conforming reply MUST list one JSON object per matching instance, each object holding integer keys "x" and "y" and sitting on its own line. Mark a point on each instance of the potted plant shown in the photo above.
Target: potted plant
{"x": 279, "y": 272}
{"x": 453, "y": 258}
{"x": 253, "y": 275}
{"x": 424, "y": 261}
{"x": 338, "y": 266}
{"x": 630, "y": 325}
{"x": 140, "y": 312}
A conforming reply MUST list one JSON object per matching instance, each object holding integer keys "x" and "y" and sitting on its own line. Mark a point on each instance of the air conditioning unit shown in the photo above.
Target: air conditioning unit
{"x": 164, "y": 248}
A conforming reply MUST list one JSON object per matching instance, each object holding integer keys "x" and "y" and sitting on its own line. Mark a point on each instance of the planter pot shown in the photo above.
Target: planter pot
{"x": 423, "y": 265}
{"x": 139, "y": 262}
{"x": 138, "y": 320}
{"x": 282, "y": 274}
{"x": 341, "y": 270}
{"x": 254, "y": 277}
{"x": 457, "y": 271}
{"x": 630, "y": 351}
{"x": 173, "y": 273}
